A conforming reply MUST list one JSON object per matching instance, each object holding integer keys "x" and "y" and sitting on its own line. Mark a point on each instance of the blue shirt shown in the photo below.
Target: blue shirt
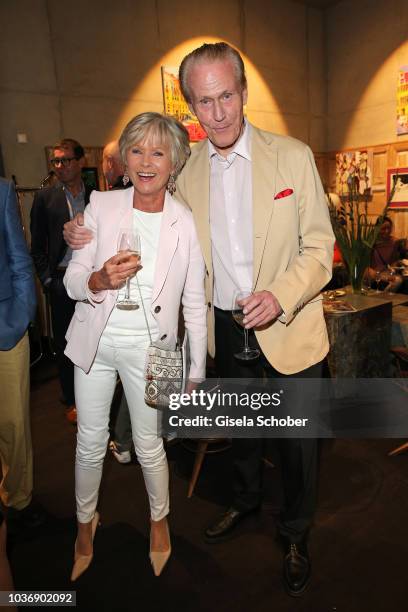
{"x": 76, "y": 204}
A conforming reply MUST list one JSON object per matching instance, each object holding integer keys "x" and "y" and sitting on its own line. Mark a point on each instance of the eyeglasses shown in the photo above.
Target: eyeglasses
{"x": 63, "y": 161}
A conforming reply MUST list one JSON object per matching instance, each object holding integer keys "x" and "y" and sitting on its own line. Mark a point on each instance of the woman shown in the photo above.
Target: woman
{"x": 104, "y": 340}
{"x": 387, "y": 251}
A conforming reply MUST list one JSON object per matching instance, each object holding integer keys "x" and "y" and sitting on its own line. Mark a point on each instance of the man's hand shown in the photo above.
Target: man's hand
{"x": 114, "y": 272}
{"x": 76, "y": 235}
{"x": 260, "y": 308}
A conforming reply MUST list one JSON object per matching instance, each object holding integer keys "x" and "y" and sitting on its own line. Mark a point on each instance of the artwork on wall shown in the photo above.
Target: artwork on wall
{"x": 90, "y": 177}
{"x": 402, "y": 101}
{"x": 176, "y": 106}
{"x": 353, "y": 166}
{"x": 398, "y": 177}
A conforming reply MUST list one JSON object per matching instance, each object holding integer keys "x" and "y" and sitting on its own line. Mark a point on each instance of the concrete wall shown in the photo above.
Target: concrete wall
{"x": 366, "y": 44}
{"x": 84, "y": 67}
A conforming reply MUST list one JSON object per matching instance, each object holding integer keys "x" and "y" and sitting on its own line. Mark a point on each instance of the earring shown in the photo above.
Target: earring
{"x": 171, "y": 184}
{"x": 125, "y": 178}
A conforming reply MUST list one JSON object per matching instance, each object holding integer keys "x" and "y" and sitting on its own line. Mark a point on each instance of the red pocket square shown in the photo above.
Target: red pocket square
{"x": 283, "y": 194}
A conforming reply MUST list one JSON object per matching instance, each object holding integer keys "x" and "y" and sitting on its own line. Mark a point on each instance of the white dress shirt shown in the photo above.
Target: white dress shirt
{"x": 231, "y": 220}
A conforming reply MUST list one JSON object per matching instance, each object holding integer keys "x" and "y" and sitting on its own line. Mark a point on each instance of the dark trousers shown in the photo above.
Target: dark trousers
{"x": 62, "y": 310}
{"x": 298, "y": 456}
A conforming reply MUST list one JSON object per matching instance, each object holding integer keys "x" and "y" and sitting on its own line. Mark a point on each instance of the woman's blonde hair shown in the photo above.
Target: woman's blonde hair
{"x": 164, "y": 130}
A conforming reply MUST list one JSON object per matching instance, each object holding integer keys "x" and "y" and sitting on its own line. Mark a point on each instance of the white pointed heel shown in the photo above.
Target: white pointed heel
{"x": 82, "y": 562}
{"x": 158, "y": 559}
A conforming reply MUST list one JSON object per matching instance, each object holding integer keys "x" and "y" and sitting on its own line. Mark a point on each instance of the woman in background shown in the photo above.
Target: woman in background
{"x": 387, "y": 252}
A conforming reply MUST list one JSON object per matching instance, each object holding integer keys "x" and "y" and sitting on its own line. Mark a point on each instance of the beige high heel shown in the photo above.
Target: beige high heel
{"x": 82, "y": 562}
{"x": 159, "y": 558}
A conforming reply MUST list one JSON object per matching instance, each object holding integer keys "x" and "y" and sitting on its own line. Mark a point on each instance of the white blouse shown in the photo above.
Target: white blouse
{"x": 126, "y": 326}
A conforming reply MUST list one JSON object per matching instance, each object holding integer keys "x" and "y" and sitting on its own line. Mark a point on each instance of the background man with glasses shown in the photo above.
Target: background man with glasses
{"x": 52, "y": 207}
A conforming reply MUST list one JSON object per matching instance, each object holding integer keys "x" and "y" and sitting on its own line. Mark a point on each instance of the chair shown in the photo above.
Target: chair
{"x": 203, "y": 447}
{"x": 400, "y": 354}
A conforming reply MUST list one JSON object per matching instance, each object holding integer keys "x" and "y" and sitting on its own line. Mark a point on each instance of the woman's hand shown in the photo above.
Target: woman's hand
{"x": 114, "y": 272}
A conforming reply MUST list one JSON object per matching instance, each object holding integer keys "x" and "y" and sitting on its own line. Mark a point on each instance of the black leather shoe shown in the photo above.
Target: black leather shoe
{"x": 296, "y": 568}
{"x": 226, "y": 523}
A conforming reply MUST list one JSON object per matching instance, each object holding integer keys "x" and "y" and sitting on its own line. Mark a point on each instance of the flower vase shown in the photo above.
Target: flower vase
{"x": 357, "y": 270}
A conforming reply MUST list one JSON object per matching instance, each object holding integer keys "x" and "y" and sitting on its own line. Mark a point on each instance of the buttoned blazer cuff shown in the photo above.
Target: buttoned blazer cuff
{"x": 288, "y": 311}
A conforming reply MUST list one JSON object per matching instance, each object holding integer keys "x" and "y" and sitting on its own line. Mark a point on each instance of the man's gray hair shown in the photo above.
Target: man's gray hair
{"x": 164, "y": 129}
{"x": 220, "y": 51}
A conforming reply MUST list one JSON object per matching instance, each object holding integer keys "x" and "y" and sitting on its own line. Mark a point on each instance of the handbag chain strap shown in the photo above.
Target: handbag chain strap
{"x": 144, "y": 310}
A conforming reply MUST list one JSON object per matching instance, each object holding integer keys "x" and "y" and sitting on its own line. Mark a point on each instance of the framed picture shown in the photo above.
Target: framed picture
{"x": 402, "y": 106}
{"x": 353, "y": 169}
{"x": 398, "y": 177}
{"x": 176, "y": 106}
{"x": 90, "y": 177}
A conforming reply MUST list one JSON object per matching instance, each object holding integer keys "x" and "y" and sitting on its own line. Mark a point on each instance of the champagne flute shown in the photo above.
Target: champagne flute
{"x": 391, "y": 278}
{"x": 128, "y": 242}
{"x": 366, "y": 287}
{"x": 377, "y": 279}
{"x": 247, "y": 353}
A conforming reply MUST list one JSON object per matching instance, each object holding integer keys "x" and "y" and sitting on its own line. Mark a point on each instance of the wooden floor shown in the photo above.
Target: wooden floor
{"x": 359, "y": 544}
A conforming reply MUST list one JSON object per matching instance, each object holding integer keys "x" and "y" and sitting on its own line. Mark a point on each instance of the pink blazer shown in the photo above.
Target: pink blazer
{"x": 179, "y": 278}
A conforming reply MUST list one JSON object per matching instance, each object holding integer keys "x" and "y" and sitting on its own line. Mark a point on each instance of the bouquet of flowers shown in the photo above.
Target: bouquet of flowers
{"x": 355, "y": 233}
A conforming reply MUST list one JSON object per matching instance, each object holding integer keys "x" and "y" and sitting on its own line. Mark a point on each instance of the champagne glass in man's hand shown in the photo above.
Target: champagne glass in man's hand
{"x": 247, "y": 353}
{"x": 128, "y": 243}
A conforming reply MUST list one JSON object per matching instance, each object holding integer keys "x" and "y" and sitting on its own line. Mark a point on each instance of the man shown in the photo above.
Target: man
{"x": 17, "y": 309}
{"x": 52, "y": 207}
{"x": 112, "y": 165}
{"x": 113, "y": 170}
{"x": 262, "y": 220}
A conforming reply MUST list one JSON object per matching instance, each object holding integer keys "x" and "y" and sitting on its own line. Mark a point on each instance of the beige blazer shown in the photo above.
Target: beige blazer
{"x": 179, "y": 278}
{"x": 293, "y": 244}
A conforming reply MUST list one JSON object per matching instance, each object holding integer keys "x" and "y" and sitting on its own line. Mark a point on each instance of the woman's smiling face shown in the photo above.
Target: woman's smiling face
{"x": 149, "y": 166}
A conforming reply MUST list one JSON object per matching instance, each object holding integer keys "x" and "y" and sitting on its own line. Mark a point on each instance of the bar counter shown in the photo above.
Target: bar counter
{"x": 360, "y": 341}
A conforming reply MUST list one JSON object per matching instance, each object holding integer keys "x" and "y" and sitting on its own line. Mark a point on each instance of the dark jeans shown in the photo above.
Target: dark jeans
{"x": 298, "y": 456}
{"x": 62, "y": 310}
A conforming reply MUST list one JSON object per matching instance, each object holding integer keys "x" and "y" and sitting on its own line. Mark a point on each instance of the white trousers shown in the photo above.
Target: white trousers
{"x": 93, "y": 395}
